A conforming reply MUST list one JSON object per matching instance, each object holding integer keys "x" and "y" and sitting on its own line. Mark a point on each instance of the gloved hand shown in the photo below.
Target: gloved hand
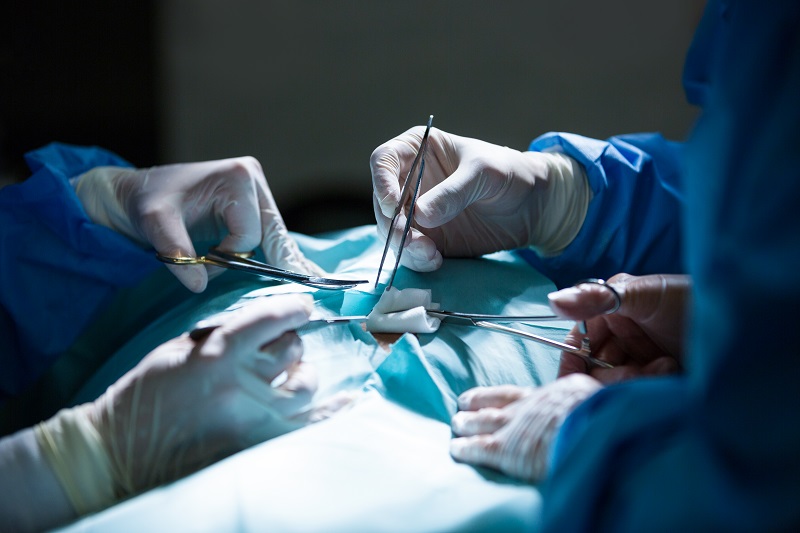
{"x": 477, "y": 197}
{"x": 185, "y": 405}
{"x": 512, "y": 428}
{"x": 645, "y": 336}
{"x": 226, "y": 201}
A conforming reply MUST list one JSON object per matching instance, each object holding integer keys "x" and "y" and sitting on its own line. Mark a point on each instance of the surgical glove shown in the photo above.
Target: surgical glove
{"x": 170, "y": 207}
{"x": 186, "y": 405}
{"x": 645, "y": 336}
{"x": 478, "y": 198}
{"x": 512, "y": 429}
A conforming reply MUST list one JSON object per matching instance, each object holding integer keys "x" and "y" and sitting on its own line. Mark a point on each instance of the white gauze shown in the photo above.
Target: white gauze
{"x": 403, "y": 311}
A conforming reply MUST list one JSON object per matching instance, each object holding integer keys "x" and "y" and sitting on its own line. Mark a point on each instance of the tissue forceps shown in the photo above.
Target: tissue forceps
{"x": 405, "y": 193}
{"x": 490, "y": 322}
{"x": 243, "y": 262}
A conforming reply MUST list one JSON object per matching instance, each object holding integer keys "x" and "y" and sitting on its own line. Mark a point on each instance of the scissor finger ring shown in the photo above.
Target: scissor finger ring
{"x": 614, "y": 293}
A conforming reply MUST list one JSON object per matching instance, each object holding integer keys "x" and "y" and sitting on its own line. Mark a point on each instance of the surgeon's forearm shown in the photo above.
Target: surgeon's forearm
{"x": 31, "y": 498}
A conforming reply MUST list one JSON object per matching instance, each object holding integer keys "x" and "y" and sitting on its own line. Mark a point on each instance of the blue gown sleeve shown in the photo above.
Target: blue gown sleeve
{"x": 633, "y": 221}
{"x": 57, "y": 268}
{"x": 717, "y": 448}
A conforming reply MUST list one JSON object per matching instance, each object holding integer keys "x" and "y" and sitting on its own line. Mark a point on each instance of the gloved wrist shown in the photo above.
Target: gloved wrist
{"x": 96, "y": 190}
{"x": 74, "y": 449}
{"x": 563, "y": 206}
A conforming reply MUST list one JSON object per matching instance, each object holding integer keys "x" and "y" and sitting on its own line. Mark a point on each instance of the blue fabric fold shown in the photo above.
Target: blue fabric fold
{"x": 57, "y": 268}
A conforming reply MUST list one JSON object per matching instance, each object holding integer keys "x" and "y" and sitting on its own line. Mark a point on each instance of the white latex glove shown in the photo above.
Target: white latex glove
{"x": 226, "y": 201}
{"x": 512, "y": 428}
{"x": 478, "y": 198}
{"x": 186, "y": 405}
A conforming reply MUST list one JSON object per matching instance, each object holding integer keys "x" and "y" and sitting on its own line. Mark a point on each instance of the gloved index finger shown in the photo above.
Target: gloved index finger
{"x": 389, "y": 164}
{"x": 242, "y": 217}
{"x": 583, "y": 301}
{"x": 498, "y": 396}
{"x": 477, "y": 450}
{"x": 385, "y": 169}
{"x": 167, "y": 232}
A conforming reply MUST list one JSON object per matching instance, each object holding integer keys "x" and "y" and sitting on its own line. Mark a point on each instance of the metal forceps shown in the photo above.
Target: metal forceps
{"x": 205, "y": 327}
{"x": 243, "y": 262}
{"x": 491, "y": 322}
{"x": 405, "y": 193}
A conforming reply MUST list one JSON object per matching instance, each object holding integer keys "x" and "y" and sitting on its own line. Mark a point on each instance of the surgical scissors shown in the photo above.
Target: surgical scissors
{"x": 405, "y": 193}
{"x": 490, "y": 322}
{"x": 243, "y": 262}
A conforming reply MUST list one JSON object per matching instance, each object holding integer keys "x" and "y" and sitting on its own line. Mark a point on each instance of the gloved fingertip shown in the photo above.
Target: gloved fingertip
{"x": 583, "y": 301}
{"x": 388, "y": 204}
{"x": 425, "y": 265}
{"x": 193, "y": 277}
{"x": 422, "y": 218}
{"x": 422, "y": 256}
{"x": 457, "y": 448}
{"x": 427, "y": 214}
{"x": 465, "y": 400}
{"x": 565, "y": 298}
{"x": 464, "y": 449}
{"x": 458, "y": 423}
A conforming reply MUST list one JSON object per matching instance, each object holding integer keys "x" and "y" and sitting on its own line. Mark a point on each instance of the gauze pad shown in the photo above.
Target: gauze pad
{"x": 403, "y": 311}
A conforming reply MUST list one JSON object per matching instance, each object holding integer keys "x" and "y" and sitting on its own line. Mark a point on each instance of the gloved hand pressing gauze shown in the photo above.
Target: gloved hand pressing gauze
{"x": 403, "y": 311}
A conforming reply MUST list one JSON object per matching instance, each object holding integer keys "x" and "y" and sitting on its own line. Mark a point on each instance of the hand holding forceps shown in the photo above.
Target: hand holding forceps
{"x": 491, "y": 322}
{"x": 408, "y": 194}
{"x": 243, "y": 262}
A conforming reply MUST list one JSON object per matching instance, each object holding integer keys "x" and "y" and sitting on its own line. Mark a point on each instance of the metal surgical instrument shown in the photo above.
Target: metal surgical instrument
{"x": 405, "y": 193}
{"x": 318, "y": 323}
{"x": 243, "y": 262}
{"x": 491, "y": 322}
{"x": 204, "y": 328}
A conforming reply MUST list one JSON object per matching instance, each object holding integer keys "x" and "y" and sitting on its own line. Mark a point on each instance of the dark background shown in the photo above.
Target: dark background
{"x": 79, "y": 72}
{"x": 310, "y": 88}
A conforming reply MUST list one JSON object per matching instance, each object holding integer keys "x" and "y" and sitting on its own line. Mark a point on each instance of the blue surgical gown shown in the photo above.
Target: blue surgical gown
{"x": 57, "y": 268}
{"x": 716, "y": 449}
{"x": 633, "y": 223}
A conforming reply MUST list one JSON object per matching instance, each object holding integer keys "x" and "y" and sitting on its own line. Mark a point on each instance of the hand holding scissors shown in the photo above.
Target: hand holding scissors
{"x": 173, "y": 206}
{"x": 637, "y": 324}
